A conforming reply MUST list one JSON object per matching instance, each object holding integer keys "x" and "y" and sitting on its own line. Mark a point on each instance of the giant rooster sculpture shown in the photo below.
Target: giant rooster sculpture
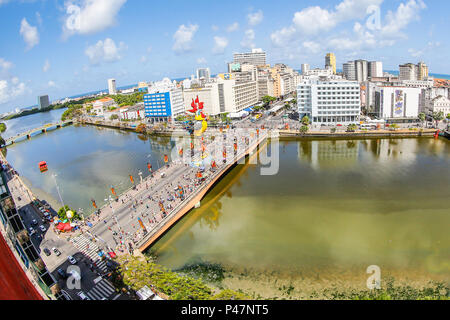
{"x": 200, "y": 124}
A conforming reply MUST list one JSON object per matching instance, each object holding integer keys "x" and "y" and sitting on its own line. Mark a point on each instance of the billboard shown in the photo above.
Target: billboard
{"x": 399, "y": 103}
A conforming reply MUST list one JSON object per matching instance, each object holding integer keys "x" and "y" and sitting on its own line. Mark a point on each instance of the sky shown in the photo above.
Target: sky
{"x": 68, "y": 47}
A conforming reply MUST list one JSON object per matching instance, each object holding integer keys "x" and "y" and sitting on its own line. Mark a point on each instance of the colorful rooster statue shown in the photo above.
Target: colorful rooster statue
{"x": 200, "y": 125}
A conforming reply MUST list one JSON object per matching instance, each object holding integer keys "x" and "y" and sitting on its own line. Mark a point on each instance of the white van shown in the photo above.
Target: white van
{"x": 83, "y": 296}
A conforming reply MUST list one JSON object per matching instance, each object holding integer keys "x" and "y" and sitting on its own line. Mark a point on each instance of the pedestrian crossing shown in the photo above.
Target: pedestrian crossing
{"x": 102, "y": 290}
{"x": 90, "y": 249}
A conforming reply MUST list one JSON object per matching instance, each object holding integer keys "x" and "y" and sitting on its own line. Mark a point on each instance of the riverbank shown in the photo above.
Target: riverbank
{"x": 313, "y": 283}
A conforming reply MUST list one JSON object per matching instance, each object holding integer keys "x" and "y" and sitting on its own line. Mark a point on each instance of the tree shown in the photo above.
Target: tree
{"x": 304, "y": 129}
{"x": 422, "y": 117}
{"x": 394, "y": 126}
{"x": 63, "y": 211}
{"x": 267, "y": 100}
{"x": 2, "y": 127}
{"x": 438, "y": 116}
{"x": 114, "y": 117}
{"x": 305, "y": 120}
{"x": 448, "y": 116}
{"x": 352, "y": 127}
{"x": 141, "y": 128}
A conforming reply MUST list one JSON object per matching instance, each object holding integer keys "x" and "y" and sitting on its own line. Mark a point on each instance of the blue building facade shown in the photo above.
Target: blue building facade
{"x": 157, "y": 105}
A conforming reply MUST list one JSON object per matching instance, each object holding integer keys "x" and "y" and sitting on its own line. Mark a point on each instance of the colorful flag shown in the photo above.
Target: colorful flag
{"x": 131, "y": 179}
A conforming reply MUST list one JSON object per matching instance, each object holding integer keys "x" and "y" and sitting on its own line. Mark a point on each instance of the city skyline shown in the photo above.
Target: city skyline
{"x": 45, "y": 50}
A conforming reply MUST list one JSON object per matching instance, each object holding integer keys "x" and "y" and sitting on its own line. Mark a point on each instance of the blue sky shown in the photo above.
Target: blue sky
{"x": 63, "y": 48}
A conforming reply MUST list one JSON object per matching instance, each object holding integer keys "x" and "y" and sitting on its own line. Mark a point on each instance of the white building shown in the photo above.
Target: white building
{"x": 327, "y": 72}
{"x": 203, "y": 74}
{"x": 401, "y": 103}
{"x": 305, "y": 68}
{"x": 330, "y": 101}
{"x": 112, "y": 86}
{"x": 375, "y": 69}
{"x": 135, "y": 112}
{"x": 349, "y": 70}
{"x": 257, "y": 57}
{"x": 100, "y": 106}
{"x": 440, "y": 103}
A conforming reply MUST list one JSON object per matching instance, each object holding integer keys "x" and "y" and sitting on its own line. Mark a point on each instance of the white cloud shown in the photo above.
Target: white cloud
{"x": 46, "y": 66}
{"x": 183, "y": 38}
{"x": 105, "y": 51}
{"x": 90, "y": 16}
{"x": 313, "y": 21}
{"x": 29, "y": 33}
{"x": 51, "y": 84}
{"x": 201, "y": 61}
{"x": 249, "y": 37}
{"x": 312, "y": 46}
{"x": 10, "y": 86}
{"x": 255, "y": 18}
{"x": 405, "y": 14}
{"x": 233, "y": 27}
{"x": 221, "y": 44}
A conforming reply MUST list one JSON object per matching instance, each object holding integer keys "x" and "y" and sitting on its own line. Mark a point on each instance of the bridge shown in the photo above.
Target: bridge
{"x": 36, "y": 131}
{"x": 143, "y": 213}
{"x": 194, "y": 199}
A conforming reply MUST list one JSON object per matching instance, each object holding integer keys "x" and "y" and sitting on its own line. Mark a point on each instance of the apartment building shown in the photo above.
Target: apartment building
{"x": 257, "y": 57}
{"x": 330, "y": 101}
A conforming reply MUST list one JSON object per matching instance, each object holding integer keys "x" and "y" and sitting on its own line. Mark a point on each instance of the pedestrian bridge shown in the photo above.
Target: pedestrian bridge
{"x": 190, "y": 202}
{"x": 36, "y": 131}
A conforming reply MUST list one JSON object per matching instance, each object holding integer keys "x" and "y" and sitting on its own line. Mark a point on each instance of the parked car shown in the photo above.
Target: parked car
{"x": 72, "y": 260}
{"x": 34, "y": 222}
{"x": 56, "y": 251}
{"x": 47, "y": 252}
{"x": 32, "y": 231}
{"x": 83, "y": 296}
{"x": 62, "y": 273}
{"x": 42, "y": 228}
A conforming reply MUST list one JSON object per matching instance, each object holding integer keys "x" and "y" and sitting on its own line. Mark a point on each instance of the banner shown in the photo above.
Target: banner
{"x": 131, "y": 179}
{"x": 113, "y": 191}
{"x": 94, "y": 204}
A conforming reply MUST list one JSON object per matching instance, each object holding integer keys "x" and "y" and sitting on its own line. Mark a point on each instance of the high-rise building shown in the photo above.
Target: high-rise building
{"x": 305, "y": 68}
{"x": 408, "y": 71}
{"x": 165, "y": 105}
{"x": 375, "y": 69}
{"x": 362, "y": 70}
{"x": 397, "y": 102}
{"x": 331, "y": 101}
{"x": 330, "y": 61}
{"x": 112, "y": 86}
{"x": 203, "y": 73}
{"x": 422, "y": 73}
{"x": 43, "y": 102}
{"x": 257, "y": 57}
{"x": 349, "y": 70}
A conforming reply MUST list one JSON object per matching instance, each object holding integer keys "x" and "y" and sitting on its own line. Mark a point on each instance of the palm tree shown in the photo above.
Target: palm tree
{"x": 422, "y": 117}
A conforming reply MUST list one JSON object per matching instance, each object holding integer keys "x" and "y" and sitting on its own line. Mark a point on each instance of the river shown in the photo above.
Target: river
{"x": 334, "y": 208}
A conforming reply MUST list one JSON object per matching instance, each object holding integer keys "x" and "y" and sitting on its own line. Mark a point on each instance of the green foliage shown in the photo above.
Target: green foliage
{"x": 438, "y": 116}
{"x": 394, "y": 126}
{"x": 73, "y": 110}
{"x": 114, "y": 117}
{"x": 304, "y": 129}
{"x": 422, "y": 116}
{"x": 305, "y": 120}
{"x": 267, "y": 100}
{"x": 137, "y": 273}
{"x": 62, "y": 213}
{"x": 224, "y": 117}
{"x": 448, "y": 116}
{"x": 352, "y": 127}
{"x": 228, "y": 294}
{"x": 433, "y": 291}
{"x": 2, "y": 127}
{"x": 129, "y": 99}
{"x": 333, "y": 130}
{"x": 210, "y": 272}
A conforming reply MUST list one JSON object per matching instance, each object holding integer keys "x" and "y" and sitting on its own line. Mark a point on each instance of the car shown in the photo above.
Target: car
{"x": 62, "y": 273}
{"x": 42, "y": 228}
{"x": 47, "y": 252}
{"x": 34, "y": 222}
{"x": 56, "y": 251}
{"x": 83, "y": 296}
{"x": 32, "y": 231}
{"x": 72, "y": 260}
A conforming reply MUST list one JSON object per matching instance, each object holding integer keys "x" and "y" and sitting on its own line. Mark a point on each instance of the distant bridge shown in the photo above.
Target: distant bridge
{"x": 36, "y": 131}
